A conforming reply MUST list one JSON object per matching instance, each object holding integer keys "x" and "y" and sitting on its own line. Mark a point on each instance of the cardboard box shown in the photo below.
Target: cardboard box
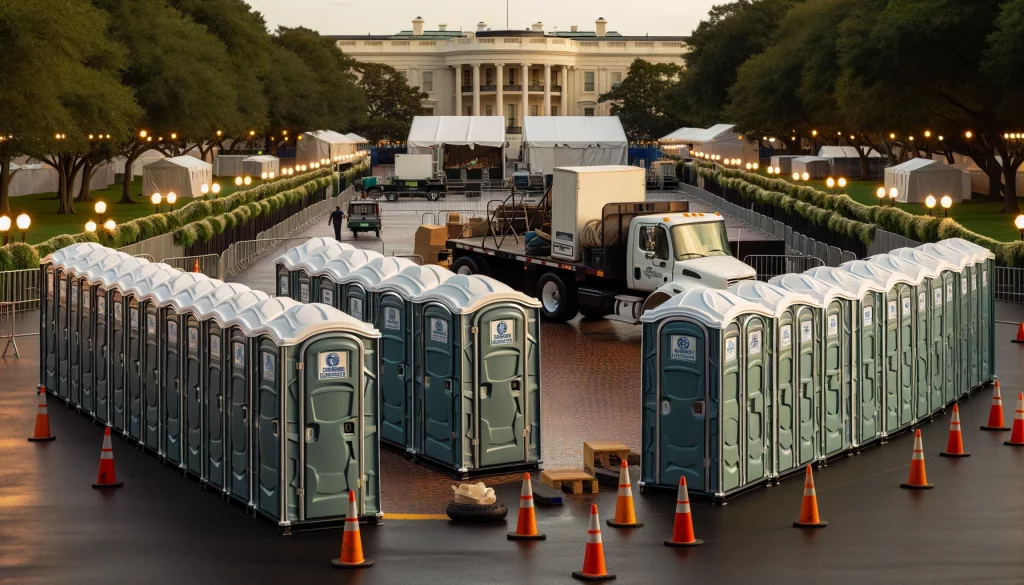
{"x": 455, "y": 230}
{"x": 431, "y": 235}
{"x": 454, "y": 217}
{"x": 478, "y": 227}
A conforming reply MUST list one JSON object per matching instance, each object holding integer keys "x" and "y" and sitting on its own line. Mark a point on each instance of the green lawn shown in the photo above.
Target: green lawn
{"x": 46, "y": 223}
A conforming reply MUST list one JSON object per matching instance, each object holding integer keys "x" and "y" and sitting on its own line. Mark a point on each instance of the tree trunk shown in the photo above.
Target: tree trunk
{"x": 85, "y": 190}
{"x": 126, "y": 180}
{"x": 995, "y": 181}
{"x": 1010, "y": 187}
{"x": 5, "y": 184}
{"x": 67, "y": 206}
{"x": 865, "y": 169}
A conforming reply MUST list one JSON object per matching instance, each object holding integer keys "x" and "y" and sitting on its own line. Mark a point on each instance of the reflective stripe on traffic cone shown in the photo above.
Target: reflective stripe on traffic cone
{"x": 809, "y": 506}
{"x": 42, "y": 430}
{"x": 625, "y": 516}
{"x": 351, "y": 543}
{"x": 682, "y": 529}
{"x": 995, "y": 413}
{"x": 955, "y": 445}
{"x": 106, "y": 478}
{"x": 1017, "y": 434}
{"x": 593, "y": 557}
{"x": 1020, "y": 334}
{"x": 526, "y": 526}
{"x": 918, "y": 478}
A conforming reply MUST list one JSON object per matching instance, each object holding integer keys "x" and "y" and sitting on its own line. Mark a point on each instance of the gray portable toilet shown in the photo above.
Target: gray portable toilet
{"x": 957, "y": 344}
{"x": 478, "y": 378}
{"x": 868, "y": 351}
{"x": 326, "y": 279}
{"x": 394, "y": 319}
{"x": 315, "y": 403}
{"x": 359, "y": 286}
{"x": 791, "y": 384}
{"x": 227, "y": 390}
{"x": 311, "y": 264}
{"x": 71, "y": 315}
{"x": 694, "y": 377}
{"x": 240, "y": 367}
{"x": 284, "y": 265}
{"x": 981, "y": 317}
{"x": 115, "y": 350}
{"x": 838, "y": 356}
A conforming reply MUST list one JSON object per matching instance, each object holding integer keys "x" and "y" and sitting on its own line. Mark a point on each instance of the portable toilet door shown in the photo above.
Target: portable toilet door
{"x": 360, "y": 284}
{"x": 307, "y": 266}
{"x": 977, "y": 293}
{"x": 695, "y": 380}
{"x": 329, "y": 280}
{"x": 67, "y": 387}
{"x": 493, "y": 394}
{"x": 395, "y": 320}
{"x": 983, "y": 293}
{"x": 956, "y": 264}
{"x": 116, "y": 351}
{"x": 225, "y": 381}
{"x": 315, "y": 401}
{"x": 82, "y": 273}
{"x": 284, "y": 265}
{"x": 92, "y": 349}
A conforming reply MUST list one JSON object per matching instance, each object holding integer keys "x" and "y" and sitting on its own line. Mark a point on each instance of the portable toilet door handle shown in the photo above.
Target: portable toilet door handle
{"x": 245, "y": 413}
{"x": 312, "y": 433}
{"x": 401, "y": 370}
{"x": 485, "y": 391}
{"x": 273, "y": 427}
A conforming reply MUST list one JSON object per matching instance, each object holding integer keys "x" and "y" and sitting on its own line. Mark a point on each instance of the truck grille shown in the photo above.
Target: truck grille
{"x": 731, "y": 281}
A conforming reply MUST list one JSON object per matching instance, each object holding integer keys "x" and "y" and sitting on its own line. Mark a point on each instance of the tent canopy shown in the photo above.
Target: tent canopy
{"x": 184, "y": 175}
{"x": 559, "y": 141}
{"x": 698, "y": 135}
{"x": 918, "y": 178}
{"x": 432, "y": 131}
{"x": 356, "y": 138}
{"x": 832, "y": 152}
{"x": 316, "y": 146}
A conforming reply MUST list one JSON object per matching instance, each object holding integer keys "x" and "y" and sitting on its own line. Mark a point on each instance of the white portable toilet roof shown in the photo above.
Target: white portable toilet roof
{"x": 346, "y": 263}
{"x": 120, "y": 270}
{"x": 775, "y": 299}
{"x": 148, "y": 277}
{"x": 230, "y": 307}
{"x": 254, "y": 316}
{"x": 415, "y": 280}
{"x": 186, "y": 299}
{"x": 59, "y": 257}
{"x": 465, "y": 293}
{"x": 843, "y": 279}
{"x": 83, "y": 261}
{"x": 899, "y": 265}
{"x": 377, "y": 270}
{"x": 289, "y": 258}
{"x": 713, "y": 307}
{"x": 204, "y": 305}
{"x": 302, "y": 321}
{"x": 165, "y": 290}
{"x": 957, "y": 259}
{"x": 316, "y": 260}
{"x": 882, "y": 278}
{"x": 979, "y": 253}
{"x": 822, "y": 292}
{"x": 934, "y": 264}
{"x": 94, "y": 271}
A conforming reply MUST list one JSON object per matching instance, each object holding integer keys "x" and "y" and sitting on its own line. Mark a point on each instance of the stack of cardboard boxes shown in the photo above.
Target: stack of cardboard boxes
{"x": 430, "y": 239}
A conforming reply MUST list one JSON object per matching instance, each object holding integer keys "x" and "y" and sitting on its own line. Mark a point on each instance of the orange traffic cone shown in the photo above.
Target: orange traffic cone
{"x": 1017, "y": 434}
{"x": 809, "y": 507}
{"x": 42, "y": 430}
{"x": 682, "y": 530}
{"x": 526, "y": 526}
{"x": 955, "y": 446}
{"x": 351, "y": 543}
{"x": 918, "y": 478}
{"x": 1020, "y": 334}
{"x": 106, "y": 477}
{"x": 625, "y": 516}
{"x": 195, "y": 267}
{"x": 593, "y": 557}
{"x": 995, "y": 413}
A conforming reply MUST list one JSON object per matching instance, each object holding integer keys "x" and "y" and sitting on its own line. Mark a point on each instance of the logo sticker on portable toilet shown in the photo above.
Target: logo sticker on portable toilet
{"x": 333, "y": 365}
{"x": 892, "y": 310}
{"x": 833, "y": 325}
{"x": 392, "y": 318}
{"x": 806, "y": 333}
{"x": 85, "y": 301}
{"x": 193, "y": 339}
{"x": 963, "y": 286}
{"x": 949, "y": 292}
{"x": 172, "y": 332}
{"x": 269, "y": 369}
{"x": 786, "y": 336}
{"x": 974, "y": 284}
{"x": 906, "y": 307}
{"x": 74, "y": 295}
{"x": 327, "y": 297}
{"x": 284, "y": 284}
{"x": 867, "y": 316}
{"x": 303, "y": 292}
{"x": 355, "y": 308}
{"x": 984, "y": 278}
{"x": 754, "y": 343}
{"x": 239, "y": 355}
{"x": 63, "y": 290}
{"x": 215, "y": 347}
{"x": 151, "y": 324}
{"x": 438, "y": 330}
{"x": 101, "y": 305}
{"x": 938, "y": 297}
{"x": 117, "y": 312}
{"x": 502, "y": 332}
{"x": 133, "y": 318}
{"x": 921, "y": 300}
{"x": 730, "y": 349}
{"x": 684, "y": 347}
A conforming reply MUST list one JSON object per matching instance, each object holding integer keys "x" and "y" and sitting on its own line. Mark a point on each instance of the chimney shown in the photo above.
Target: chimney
{"x": 600, "y": 25}
{"x": 538, "y": 26}
{"x": 417, "y": 26}
{"x": 442, "y": 27}
{"x": 481, "y": 26}
{"x": 574, "y": 28}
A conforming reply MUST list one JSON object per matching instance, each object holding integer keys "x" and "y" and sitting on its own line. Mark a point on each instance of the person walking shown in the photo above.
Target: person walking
{"x": 337, "y": 216}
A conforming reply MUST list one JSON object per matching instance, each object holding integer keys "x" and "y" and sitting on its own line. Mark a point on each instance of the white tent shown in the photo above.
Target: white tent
{"x": 573, "y": 141}
{"x": 255, "y": 166}
{"x": 462, "y": 137}
{"x": 228, "y": 165}
{"x": 845, "y": 162}
{"x": 184, "y": 175}
{"x": 313, "y": 147}
{"x": 815, "y": 166}
{"x": 30, "y": 179}
{"x": 918, "y": 178}
{"x": 359, "y": 140}
{"x": 784, "y": 163}
{"x": 720, "y": 139}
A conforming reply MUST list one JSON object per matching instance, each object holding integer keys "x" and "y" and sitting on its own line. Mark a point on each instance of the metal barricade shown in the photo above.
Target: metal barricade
{"x": 1009, "y": 285}
{"x": 769, "y": 266}
{"x": 20, "y": 289}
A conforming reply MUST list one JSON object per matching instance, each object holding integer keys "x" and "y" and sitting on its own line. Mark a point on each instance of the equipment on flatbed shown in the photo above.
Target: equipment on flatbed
{"x": 414, "y": 177}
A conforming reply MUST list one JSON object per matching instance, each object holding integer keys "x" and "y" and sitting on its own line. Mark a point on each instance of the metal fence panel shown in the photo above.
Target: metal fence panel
{"x": 1009, "y": 285}
{"x": 769, "y": 266}
{"x": 885, "y": 242}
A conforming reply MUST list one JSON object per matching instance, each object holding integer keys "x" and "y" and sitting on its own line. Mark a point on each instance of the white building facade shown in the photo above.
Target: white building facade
{"x": 512, "y": 73}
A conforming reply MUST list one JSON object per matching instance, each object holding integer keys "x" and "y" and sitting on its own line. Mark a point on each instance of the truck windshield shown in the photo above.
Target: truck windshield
{"x": 697, "y": 240}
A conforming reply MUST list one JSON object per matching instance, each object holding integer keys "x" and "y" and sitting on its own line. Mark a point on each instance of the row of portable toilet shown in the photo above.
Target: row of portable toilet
{"x": 270, "y": 401}
{"x": 746, "y": 385}
{"x": 460, "y": 356}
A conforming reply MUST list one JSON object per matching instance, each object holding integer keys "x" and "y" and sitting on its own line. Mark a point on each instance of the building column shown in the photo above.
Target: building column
{"x": 499, "y": 74}
{"x": 526, "y": 94}
{"x": 458, "y": 89}
{"x": 476, "y": 89}
{"x": 547, "y": 90}
{"x": 563, "y": 100}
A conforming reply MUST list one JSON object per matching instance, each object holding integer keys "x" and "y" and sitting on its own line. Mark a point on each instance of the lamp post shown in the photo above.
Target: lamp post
{"x": 1019, "y": 222}
{"x": 880, "y": 193}
{"x": 264, "y": 175}
{"x": 5, "y": 226}
{"x": 215, "y": 189}
{"x": 101, "y": 209}
{"x": 110, "y": 225}
{"x": 204, "y": 189}
{"x": 238, "y": 181}
{"x": 171, "y": 198}
{"x": 842, "y": 183}
{"x": 796, "y": 176}
{"x": 90, "y": 226}
{"x": 893, "y": 194}
{"x": 247, "y": 181}
{"x": 831, "y": 184}
{"x": 155, "y": 199}
{"x": 806, "y": 176}
{"x": 929, "y": 202}
{"x": 946, "y": 202}
{"x": 23, "y": 222}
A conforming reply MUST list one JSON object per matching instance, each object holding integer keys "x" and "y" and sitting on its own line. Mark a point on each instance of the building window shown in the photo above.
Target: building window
{"x": 533, "y": 110}
{"x": 428, "y": 111}
{"x": 588, "y": 112}
{"x": 616, "y": 79}
{"x": 511, "y": 76}
{"x": 489, "y": 76}
{"x": 469, "y": 110}
{"x": 512, "y": 115}
{"x": 534, "y": 77}
{"x": 588, "y": 81}
{"x": 554, "y": 110}
{"x": 428, "y": 81}
{"x": 467, "y": 78}
{"x": 488, "y": 110}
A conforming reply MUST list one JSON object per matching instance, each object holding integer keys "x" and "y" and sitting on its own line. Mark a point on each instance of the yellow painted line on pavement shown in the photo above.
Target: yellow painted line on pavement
{"x": 415, "y": 517}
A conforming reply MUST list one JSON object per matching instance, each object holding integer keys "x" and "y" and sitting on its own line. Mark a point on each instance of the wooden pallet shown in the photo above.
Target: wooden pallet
{"x": 601, "y": 451}
{"x": 574, "y": 479}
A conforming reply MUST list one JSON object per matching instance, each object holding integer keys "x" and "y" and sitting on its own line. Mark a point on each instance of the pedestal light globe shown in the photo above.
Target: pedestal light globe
{"x": 247, "y": 181}
{"x": 238, "y": 181}
{"x": 841, "y": 182}
{"x": 946, "y": 203}
{"x": 204, "y": 188}
{"x": 1019, "y": 222}
{"x": 806, "y": 176}
{"x": 215, "y": 188}
{"x": 110, "y": 225}
{"x": 5, "y": 226}
{"x": 23, "y": 222}
{"x": 930, "y": 202}
{"x": 90, "y": 226}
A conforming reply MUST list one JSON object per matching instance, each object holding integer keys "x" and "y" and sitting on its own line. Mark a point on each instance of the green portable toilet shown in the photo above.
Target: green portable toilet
{"x": 791, "y": 386}
{"x": 956, "y": 344}
{"x": 315, "y": 407}
{"x": 284, "y": 266}
{"x": 116, "y": 346}
{"x": 69, "y": 313}
{"x": 835, "y": 329}
{"x": 238, "y": 334}
{"x": 478, "y": 376}
{"x": 228, "y": 392}
{"x": 203, "y": 412}
{"x": 327, "y": 279}
{"x": 868, "y": 353}
{"x": 393, "y": 310}
{"x": 702, "y": 350}
{"x": 982, "y": 315}
{"x": 359, "y": 286}
{"x": 310, "y": 264}
{"x": 96, "y": 378}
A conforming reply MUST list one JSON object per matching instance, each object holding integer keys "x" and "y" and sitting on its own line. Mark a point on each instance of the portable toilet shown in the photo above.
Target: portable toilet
{"x": 838, "y": 353}
{"x": 790, "y": 390}
{"x": 327, "y": 279}
{"x": 69, "y": 313}
{"x": 393, "y": 313}
{"x": 982, "y": 303}
{"x": 954, "y": 280}
{"x": 359, "y": 287}
{"x": 478, "y": 378}
{"x": 694, "y": 377}
{"x": 225, "y": 384}
{"x": 114, "y": 365}
{"x": 868, "y": 350}
{"x": 307, "y": 266}
{"x": 315, "y": 403}
{"x": 284, "y": 265}
{"x": 239, "y": 364}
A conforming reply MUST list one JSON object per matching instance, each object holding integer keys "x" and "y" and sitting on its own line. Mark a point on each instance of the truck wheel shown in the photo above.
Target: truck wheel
{"x": 469, "y": 265}
{"x": 355, "y": 234}
{"x": 377, "y": 233}
{"x": 392, "y": 197}
{"x": 557, "y": 298}
{"x": 432, "y": 196}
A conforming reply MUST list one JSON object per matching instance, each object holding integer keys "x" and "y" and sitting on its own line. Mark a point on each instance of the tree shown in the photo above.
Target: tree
{"x": 297, "y": 100}
{"x": 639, "y": 101}
{"x": 391, "y": 103}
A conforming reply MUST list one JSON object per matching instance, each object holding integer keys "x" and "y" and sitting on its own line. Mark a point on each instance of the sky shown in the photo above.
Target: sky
{"x": 352, "y": 17}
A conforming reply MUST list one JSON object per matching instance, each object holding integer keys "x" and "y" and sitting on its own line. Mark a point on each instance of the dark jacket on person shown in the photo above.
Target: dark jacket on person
{"x": 337, "y": 216}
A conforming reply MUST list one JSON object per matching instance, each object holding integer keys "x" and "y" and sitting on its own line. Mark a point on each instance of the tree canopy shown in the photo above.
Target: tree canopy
{"x": 391, "y": 103}
{"x": 639, "y": 101}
